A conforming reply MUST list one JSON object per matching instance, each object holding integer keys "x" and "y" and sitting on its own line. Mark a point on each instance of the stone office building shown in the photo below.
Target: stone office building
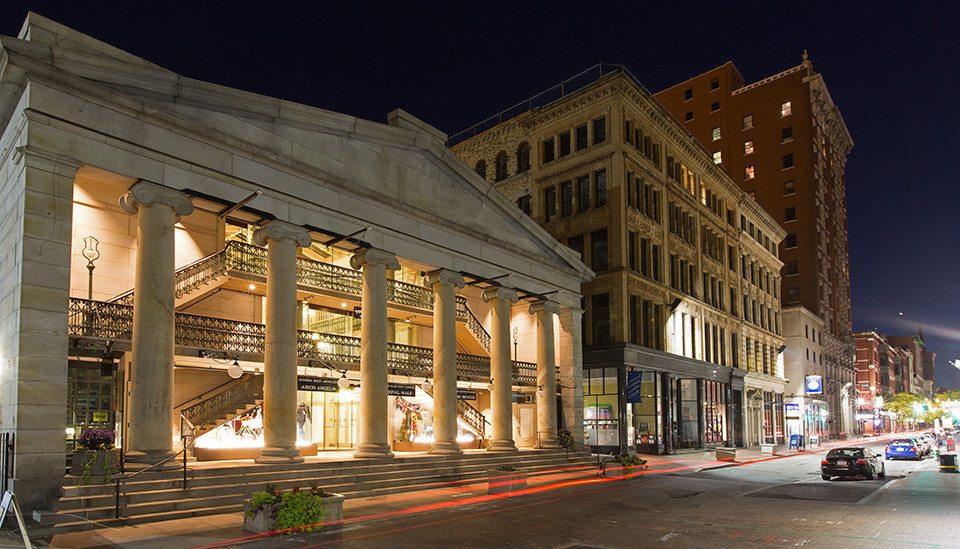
{"x": 167, "y": 241}
{"x": 682, "y": 323}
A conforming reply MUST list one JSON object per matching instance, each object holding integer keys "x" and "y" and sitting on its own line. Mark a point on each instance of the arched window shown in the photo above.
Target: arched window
{"x": 481, "y": 169}
{"x": 501, "y": 166}
{"x": 523, "y": 157}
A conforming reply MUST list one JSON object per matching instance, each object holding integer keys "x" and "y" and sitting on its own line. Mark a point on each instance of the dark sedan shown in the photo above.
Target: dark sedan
{"x": 852, "y": 462}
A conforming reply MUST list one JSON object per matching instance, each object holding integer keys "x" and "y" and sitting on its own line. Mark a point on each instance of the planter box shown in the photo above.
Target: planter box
{"x": 503, "y": 482}
{"x": 726, "y": 454}
{"x": 216, "y": 454}
{"x": 95, "y": 466}
{"x": 264, "y": 521}
{"x": 768, "y": 448}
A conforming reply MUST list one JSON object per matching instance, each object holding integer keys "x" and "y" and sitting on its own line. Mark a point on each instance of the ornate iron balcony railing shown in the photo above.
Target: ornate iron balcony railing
{"x": 211, "y": 412}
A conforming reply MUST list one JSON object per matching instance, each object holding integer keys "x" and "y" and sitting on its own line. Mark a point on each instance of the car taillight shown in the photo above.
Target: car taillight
{"x": 861, "y": 462}
{"x": 824, "y": 462}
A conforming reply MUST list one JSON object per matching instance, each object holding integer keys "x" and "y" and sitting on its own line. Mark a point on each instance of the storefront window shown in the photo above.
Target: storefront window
{"x": 646, "y": 415}
{"x": 600, "y": 407}
{"x": 689, "y": 435}
{"x": 715, "y": 410}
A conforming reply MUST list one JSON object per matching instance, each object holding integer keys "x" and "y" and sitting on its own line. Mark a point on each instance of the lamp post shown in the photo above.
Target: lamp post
{"x": 90, "y": 252}
{"x": 516, "y": 338}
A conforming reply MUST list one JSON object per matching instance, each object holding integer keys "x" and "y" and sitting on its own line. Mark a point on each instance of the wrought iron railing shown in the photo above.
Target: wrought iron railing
{"x": 100, "y": 319}
{"x": 211, "y": 412}
{"x": 474, "y": 325}
{"x": 472, "y": 417}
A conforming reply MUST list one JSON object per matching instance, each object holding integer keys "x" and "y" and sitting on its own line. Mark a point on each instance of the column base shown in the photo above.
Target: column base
{"x": 136, "y": 460}
{"x": 503, "y": 445}
{"x": 373, "y": 450}
{"x": 445, "y": 448}
{"x": 549, "y": 444}
{"x": 279, "y": 455}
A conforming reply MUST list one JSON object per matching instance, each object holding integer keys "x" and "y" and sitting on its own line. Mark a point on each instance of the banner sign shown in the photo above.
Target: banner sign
{"x": 791, "y": 410}
{"x": 466, "y": 394}
{"x": 634, "y": 382}
{"x": 317, "y": 384}
{"x": 401, "y": 389}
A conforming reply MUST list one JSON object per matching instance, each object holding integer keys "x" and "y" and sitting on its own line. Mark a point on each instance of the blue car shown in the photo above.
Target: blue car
{"x": 904, "y": 448}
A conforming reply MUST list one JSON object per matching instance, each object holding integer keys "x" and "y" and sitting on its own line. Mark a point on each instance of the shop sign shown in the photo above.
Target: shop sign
{"x": 317, "y": 384}
{"x": 814, "y": 385}
{"x": 401, "y": 389}
{"x": 791, "y": 410}
{"x": 634, "y": 383}
{"x": 466, "y": 394}
{"x": 101, "y": 417}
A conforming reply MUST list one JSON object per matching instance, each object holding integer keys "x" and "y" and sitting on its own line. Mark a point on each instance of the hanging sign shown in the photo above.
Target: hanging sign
{"x": 317, "y": 384}
{"x": 634, "y": 383}
{"x": 401, "y": 389}
{"x": 814, "y": 385}
{"x": 466, "y": 394}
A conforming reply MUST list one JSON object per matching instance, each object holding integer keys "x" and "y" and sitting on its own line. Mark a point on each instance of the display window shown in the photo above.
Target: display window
{"x": 646, "y": 415}
{"x": 601, "y": 411}
{"x": 715, "y": 412}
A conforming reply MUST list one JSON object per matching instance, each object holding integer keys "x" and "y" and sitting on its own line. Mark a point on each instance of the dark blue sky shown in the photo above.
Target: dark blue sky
{"x": 890, "y": 67}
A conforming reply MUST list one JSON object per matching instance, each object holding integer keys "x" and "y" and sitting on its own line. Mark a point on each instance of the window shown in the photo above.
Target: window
{"x": 714, "y": 84}
{"x": 549, "y": 204}
{"x": 575, "y": 243}
{"x": 548, "y": 151}
{"x": 788, "y": 161}
{"x": 600, "y": 178}
{"x": 688, "y": 94}
{"x": 600, "y": 315}
{"x": 786, "y": 135}
{"x": 501, "y": 166}
{"x": 583, "y": 193}
{"x": 632, "y": 250}
{"x": 748, "y": 122}
{"x": 717, "y": 157}
{"x": 481, "y": 169}
{"x": 790, "y": 214}
{"x": 786, "y": 109}
{"x": 715, "y": 133}
{"x": 749, "y": 172}
{"x": 748, "y": 147}
{"x": 790, "y": 241}
{"x": 523, "y": 157}
{"x": 524, "y": 204}
{"x": 793, "y": 295}
{"x": 564, "y": 144}
{"x": 789, "y": 187}
{"x": 688, "y": 116}
{"x": 598, "y": 250}
{"x": 566, "y": 199}
{"x": 599, "y": 130}
{"x": 715, "y": 106}
{"x": 581, "y": 134}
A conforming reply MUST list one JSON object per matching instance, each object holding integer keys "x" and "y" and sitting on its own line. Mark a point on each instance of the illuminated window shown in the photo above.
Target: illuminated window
{"x": 786, "y": 109}
{"x": 717, "y": 157}
{"x": 715, "y": 133}
{"x": 749, "y": 172}
{"x": 748, "y": 122}
{"x": 789, "y": 187}
{"x": 748, "y": 147}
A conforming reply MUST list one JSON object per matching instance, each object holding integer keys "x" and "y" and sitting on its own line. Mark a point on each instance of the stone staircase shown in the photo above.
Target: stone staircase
{"x": 157, "y": 496}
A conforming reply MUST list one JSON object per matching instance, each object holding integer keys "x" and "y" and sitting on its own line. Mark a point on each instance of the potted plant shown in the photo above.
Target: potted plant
{"x": 627, "y": 464}
{"x": 505, "y": 479}
{"x": 297, "y": 510}
{"x": 95, "y": 457}
{"x": 566, "y": 440}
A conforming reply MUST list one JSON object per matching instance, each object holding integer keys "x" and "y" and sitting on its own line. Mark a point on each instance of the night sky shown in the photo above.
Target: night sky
{"x": 892, "y": 68}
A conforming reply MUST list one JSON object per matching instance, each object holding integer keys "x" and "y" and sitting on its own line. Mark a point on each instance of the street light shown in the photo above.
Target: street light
{"x": 90, "y": 252}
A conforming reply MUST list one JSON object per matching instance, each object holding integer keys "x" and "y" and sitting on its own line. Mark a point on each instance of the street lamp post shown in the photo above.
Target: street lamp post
{"x": 90, "y": 252}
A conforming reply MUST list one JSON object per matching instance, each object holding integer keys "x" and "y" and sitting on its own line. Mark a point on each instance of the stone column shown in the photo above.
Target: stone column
{"x": 280, "y": 341}
{"x": 373, "y": 351}
{"x": 501, "y": 402}
{"x": 444, "y": 360}
{"x": 150, "y": 414}
{"x": 546, "y": 373}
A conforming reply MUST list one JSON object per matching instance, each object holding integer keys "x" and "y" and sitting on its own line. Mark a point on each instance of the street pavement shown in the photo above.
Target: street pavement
{"x": 688, "y": 500}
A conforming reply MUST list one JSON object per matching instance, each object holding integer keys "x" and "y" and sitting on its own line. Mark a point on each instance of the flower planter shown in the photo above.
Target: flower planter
{"x": 503, "y": 482}
{"x": 265, "y": 519}
{"x": 95, "y": 466}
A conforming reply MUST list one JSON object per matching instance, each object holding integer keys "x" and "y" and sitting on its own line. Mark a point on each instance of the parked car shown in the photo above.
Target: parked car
{"x": 928, "y": 443}
{"x": 852, "y": 462}
{"x": 909, "y": 448}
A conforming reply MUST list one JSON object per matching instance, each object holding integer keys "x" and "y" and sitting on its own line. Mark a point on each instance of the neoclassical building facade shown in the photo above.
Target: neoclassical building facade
{"x": 174, "y": 251}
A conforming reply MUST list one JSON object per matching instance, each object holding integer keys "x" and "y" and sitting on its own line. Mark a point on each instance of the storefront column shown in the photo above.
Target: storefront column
{"x": 373, "y": 351}
{"x": 280, "y": 341}
{"x": 546, "y": 373}
{"x": 443, "y": 283}
{"x": 501, "y": 402}
{"x": 150, "y": 415}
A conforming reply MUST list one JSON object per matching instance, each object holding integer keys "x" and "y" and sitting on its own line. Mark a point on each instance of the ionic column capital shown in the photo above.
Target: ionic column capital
{"x": 445, "y": 277}
{"x": 145, "y": 193}
{"x": 279, "y": 230}
{"x": 373, "y": 257}
{"x": 545, "y": 305}
{"x": 500, "y": 292}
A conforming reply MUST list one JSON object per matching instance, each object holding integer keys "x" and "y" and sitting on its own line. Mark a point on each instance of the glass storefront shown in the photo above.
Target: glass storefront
{"x": 646, "y": 416}
{"x": 689, "y": 414}
{"x": 715, "y": 411}
{"x": 773, "y": 418}
{"x": 601, "y": 407}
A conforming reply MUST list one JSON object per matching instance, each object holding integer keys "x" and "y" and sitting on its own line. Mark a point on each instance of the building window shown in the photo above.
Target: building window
{"x": 523, "y": 157}
{"x": 714, "y": 84}
{"x": 548, "y": 151}
{"x": 715, "y": 133}
{"x": 575, "y": 243}
{"x": 789, "y": 187}
{"x": 790, "y": 214}
{"x": 599, "y": 130}
{"x": 793, "y": 295}
{"x": 582, "y": 138}
{"x": 632, "y": 250}
{"x": 501, "y": 166}
{"x": 566, "y": 199}
{"x": 748, "y": 147}
{"x": 583, "y": 192}
{"x": 598, "y": 250}
{"x": 600, "y": 177}
{"x": 790, "y": 241}
{"x": 524, "y": 204}
{"x": 717, "y": 157}
{"x": 748, "y": 122}
{"x": 481, "y": 169}
{"x": 786, "y": 135}
{"x": 564, "y": 144}
{"x": 788, "y": 161}
{"x": 688, "y": 116}
{"x": 786, "y": 109}
{"x": 600, "y": 315}
{"x": 715, "y": 106}
{"x": 688, "y": 94}
{"x": 549, "y": 204}
{"x": 791, "y": 267}
{"x": 749, "y": 172}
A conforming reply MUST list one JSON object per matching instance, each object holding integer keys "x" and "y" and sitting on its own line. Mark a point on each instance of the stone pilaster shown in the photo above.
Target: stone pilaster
{"x": 443, "y": 283}
{"x": 501, "y": 402}
{"x": 150, "y": 414}
{"x": 280, "y": 341}
{"x": 546, "y": 373}
{"x": 373, "y": 351}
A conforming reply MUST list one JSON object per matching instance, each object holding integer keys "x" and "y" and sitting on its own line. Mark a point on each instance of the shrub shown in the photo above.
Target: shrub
{"x": 565, "y": 438}
{"x": 509, "y": 468}
{"x": 294, "y": 510}
{"x": 629, "y": 461}
{"x": 95, "y": 439}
